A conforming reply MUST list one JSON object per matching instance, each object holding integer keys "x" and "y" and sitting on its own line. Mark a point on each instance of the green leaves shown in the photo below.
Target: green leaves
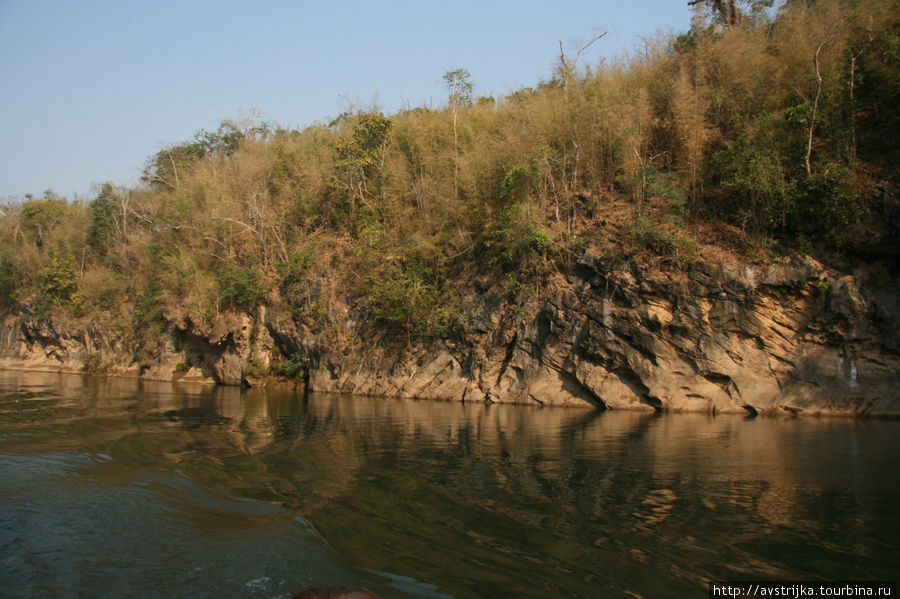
{"x": 360, "y": 157}
{"x": 58, "y": 281}
{"x": 762, "y": 181}
{"x": 294, "y": 367}
{"x": 518, "y": 182}
{"x": 104, "y": 211}
{"x": 365, "y": 147}
{"x": 664, "y": 240}
{"x": 40, "y": 217}
{"x": 518, "y": 234}
{"x": 406, "y": 282}
{"x": 459, "y": 86}
{"x": 240, "y": 288}
{"x": 165, "y": 169}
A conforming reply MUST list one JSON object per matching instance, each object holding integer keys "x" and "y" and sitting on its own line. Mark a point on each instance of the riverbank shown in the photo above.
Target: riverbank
{"x": 722, "y": 336}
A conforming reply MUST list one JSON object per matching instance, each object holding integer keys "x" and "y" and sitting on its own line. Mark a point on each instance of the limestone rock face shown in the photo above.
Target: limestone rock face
{"x": 215, "y": 352}
{"x": 723, "y": 337}
{"x": 60, "y": 346}
{"x": 786, "y": 338}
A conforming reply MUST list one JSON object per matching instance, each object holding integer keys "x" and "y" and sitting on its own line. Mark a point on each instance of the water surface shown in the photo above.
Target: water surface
{"x": 110, "y": 488}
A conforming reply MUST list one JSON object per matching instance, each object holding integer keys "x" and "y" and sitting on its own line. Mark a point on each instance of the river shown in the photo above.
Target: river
{"x": 115, "y": 488}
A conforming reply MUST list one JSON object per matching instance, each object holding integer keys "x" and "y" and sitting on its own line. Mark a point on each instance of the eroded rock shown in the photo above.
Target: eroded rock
{"x": 792, "y": 338}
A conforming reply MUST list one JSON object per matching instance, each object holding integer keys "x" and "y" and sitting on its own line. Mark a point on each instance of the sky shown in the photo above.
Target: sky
{"x": 89, "y": 89}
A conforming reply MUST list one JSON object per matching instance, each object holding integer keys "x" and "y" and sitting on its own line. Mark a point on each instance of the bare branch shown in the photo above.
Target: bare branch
{"x": 237, "y": 222}
{"x": 568, "y": 67}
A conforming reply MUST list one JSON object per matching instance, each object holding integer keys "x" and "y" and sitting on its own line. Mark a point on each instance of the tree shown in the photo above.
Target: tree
{"x": 566, "y": 70}
{"x": 38, "y": 217}
{"x": 58, "y": 281}
{"x": 567, "y": 67}
{"x": 162, "y": 169}
{"x": 165, "y": 168}
{"x": 727, "y": 13}
{"x": 103, "y": 210}
{"x": 461, "y": 91}
{"x": 827, "y": 33}
{"x": 360, "y": 158}
{"x": 693, "y": 131}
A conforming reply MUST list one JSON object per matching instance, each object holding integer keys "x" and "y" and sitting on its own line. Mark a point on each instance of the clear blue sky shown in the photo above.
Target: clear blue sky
{"x": 90, "y": 88}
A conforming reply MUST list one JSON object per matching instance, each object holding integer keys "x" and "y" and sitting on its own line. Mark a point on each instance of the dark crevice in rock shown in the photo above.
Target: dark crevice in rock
{"x": 507, "y": 358}
{"x": 573, "y": 385}
{"x": 653, "y": 402}
{"x": 724, "y": 381}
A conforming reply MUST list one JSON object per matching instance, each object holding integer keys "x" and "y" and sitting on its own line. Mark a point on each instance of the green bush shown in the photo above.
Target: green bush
{"x": 58, "y": 282}
{"x": 664, "y": 241}
{"x": 295, "y": 367}
{"x": 149, "y": 308}
{"x": 256, "y": 369}
{"x": 295, "y": 267}
{"x": 93, "y": 364}
{"x": 403, "y": 291}
{"x": 240, "y": 288}
{"x": 9, "y": 283}
{"x": 517, "y": 239}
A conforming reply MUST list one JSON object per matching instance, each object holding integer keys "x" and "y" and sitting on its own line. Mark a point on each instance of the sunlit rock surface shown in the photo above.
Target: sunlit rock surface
{"x": 783, "y": 338}
{"x": 722, "y": 337}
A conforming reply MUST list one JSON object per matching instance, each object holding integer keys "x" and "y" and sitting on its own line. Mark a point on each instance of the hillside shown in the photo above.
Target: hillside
{"x": 747, "y": 167}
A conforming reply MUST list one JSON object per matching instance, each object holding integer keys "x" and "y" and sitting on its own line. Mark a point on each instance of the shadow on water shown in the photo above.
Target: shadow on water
{"x": 197, "y": 491}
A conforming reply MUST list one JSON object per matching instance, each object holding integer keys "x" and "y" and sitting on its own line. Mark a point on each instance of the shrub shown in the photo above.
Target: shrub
{"x": 295, "y": 267}
{"x": 240, "y": 288}
{"x": 517, "y": 239}
{"x": 255, "y": 368}
{"x": 402, "y": 292}
{"x": 58, "y": 282}
{"x": 9, "y": 283}
{"x": 102, "y": 288}
{"x": 663, "y": 241}
{"x": 295, "y": 367}
{"x": 93, "y": 363}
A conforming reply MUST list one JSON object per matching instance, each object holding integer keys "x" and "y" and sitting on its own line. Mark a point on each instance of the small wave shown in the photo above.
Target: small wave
{"x": 260, "y": 583}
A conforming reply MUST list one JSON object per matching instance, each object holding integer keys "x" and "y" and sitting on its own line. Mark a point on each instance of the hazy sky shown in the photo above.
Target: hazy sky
{"x": 90, "y": 88}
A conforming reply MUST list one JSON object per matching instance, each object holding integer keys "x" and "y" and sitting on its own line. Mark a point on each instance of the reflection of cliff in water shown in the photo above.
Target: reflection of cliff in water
{"x": 576, "y": 490}
{"x": 576, "y": 502}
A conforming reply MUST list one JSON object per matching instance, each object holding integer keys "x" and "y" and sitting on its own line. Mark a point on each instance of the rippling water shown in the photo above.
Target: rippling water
{"x": 113, "y": 488}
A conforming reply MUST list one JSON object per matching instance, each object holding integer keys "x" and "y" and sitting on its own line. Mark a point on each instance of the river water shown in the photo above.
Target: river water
{"x": 115, "y": 488}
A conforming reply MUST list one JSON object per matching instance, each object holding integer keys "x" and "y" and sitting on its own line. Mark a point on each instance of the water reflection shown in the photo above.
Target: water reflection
{"x": 466, "y": 500}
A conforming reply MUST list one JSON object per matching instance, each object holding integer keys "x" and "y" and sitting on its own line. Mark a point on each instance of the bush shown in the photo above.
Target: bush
{"x": 102, "y": 288}
{"x": 256, "y": 369}
{"x": 58, "y": 282}
{"x": 663, "y": 241}
{"x": 295, "y": 367}
{"x": 240, "y": 288}
{"x": 402, "y": 292}
{"x": 295, "y": 267}
{"x": 517, "y": 239}
{"x": 94, "y": 364}
{"x": 9, "y": 283}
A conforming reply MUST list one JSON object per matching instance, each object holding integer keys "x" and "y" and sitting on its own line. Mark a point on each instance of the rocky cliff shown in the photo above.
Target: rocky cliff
{"x": 724, "y": 336}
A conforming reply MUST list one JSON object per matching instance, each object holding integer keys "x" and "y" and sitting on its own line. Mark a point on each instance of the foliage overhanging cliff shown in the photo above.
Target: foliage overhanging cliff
{"x": 756, "y": 138}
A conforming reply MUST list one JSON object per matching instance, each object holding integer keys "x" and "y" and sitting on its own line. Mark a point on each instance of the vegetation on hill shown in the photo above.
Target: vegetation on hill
{"x": 776, "y": 127}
